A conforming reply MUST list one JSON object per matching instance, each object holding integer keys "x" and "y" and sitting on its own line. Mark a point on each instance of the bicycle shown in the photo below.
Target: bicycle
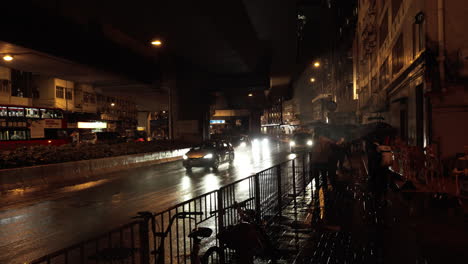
{"x": 196, "y": 235}
{"x": 195, "y": 258}
{"x": 160, "y": 251}
{"x": 248, "y": 237}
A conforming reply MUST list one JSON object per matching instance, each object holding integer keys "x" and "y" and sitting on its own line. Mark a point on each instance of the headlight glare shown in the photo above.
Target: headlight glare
{"x": 292, "y": 143}
{"x": 208, "y": 156}
{"x": 185, "y": 157}
{"x": 309, "y": 142}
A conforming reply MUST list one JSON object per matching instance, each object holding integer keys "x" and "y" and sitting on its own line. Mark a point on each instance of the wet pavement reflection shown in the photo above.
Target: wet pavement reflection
{"x": 36, "y": 223}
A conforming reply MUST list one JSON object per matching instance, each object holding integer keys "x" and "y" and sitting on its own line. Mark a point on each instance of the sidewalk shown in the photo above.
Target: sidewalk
{"x": 344, "y": 226}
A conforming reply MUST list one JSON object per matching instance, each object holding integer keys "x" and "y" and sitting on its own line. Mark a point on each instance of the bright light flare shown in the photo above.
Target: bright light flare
{"x": 292, "y": 156}
{"x": 316, "y": 64}
{"x": 208, "y": 156}
{"x": 292, "y": 143}
{"x": 310, "y": 143}
{"x": 156, "y": 43}
{"x": 185, "y": 157}
{"x": 312, "y": 79}
{"x": 243, "y": 145}
{"x": 7, "y": 58}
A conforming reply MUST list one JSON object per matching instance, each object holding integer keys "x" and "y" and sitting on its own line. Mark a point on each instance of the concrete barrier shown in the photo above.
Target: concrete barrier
{"x": 61, "y": 174}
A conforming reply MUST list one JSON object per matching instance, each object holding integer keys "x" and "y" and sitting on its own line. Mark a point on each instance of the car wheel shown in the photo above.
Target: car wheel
{"x": 215, "y": 165}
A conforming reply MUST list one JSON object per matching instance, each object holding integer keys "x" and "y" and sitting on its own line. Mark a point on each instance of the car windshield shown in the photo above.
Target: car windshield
{"x": 302, "y": 136}
{"x": 205, "y": 145}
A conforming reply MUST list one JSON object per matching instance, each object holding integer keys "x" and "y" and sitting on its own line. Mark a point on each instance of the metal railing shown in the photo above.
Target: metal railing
{"x": 267, "y": 192}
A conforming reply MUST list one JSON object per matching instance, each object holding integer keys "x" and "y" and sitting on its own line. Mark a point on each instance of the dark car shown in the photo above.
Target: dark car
{"x": 301, "y": 142}
{"x": 109, "y": 138}
{"x": 209, "y": 154}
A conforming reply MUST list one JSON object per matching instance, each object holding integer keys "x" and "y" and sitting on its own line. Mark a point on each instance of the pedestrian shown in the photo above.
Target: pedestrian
{"x": 379, "y": 159}
{"x": 341, "y": 152}
{"x": 320, "y": 155}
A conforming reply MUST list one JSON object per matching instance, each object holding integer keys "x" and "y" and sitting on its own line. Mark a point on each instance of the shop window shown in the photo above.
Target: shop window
{"x": 3, "y": 111}
{"x": 18, "y": 134}
{"x": 32, "y": 112}
{"x": 51, "y": 113}
{"x": 15, "y": 111}
{"x": 59, "y": 92}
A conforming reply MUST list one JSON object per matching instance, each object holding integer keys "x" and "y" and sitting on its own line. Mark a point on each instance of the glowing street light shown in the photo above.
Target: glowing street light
{"x": 156, "y": 42}
{"x": 316, "y": 64}
{"x": 112, "y": 104}
{"x": 7, "y": 58}
{"x": 312, "y": 79}
{"x": 250, "y": 94}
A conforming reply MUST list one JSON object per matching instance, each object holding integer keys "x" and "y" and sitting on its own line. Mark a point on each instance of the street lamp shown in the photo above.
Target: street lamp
{"x": 250, "y": 94}
{"x": 312, "y": 80}
{"x": 112, "y": 104}
{"x": 7, "y": 57}
{"x": 316, "y": 64}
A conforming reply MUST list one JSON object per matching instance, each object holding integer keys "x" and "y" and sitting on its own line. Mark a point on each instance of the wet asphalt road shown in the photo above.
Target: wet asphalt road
{"x": 34, "y": 225}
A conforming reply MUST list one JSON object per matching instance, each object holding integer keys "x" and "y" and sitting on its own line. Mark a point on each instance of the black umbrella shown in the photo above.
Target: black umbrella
{"x": 378, "y": 130}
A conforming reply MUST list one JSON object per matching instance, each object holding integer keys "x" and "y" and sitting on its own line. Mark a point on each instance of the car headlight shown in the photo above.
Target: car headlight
{"x": 309, "y": 142}
{"x": 292, "y": 143}
{"x": 208, "y": 156}
{"x": 243, "y": 144}
{"x": 185, "y": 157}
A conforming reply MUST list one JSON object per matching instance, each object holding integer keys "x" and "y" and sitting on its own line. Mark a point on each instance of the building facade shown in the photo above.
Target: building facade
{"x": 410, "y": 70}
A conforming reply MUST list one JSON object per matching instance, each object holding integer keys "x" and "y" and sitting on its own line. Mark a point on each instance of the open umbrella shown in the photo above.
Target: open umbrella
{"x": 378, "y": 130}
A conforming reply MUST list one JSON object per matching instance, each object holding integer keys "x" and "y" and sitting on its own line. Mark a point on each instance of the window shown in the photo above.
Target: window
{"x": 384, "y": 76}
{"x": 4, "y": 86}
{"x": 397, "y": 55}
{"x": 15, "y": 111}
{"x": 69, "y": 94}
{"x": 395, "y": 7}
{"x": 51, "y": 113}
{"x": 418, "y": 34}
{"x": 32, "y": 112}
{"x": 3, "y": 111}
{"x": 383, "y": 30}
{"x": 59, "y": 92}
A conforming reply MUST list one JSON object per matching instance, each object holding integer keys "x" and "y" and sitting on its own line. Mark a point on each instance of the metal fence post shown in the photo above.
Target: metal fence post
{"x": 280, "y": 195}
{"x": 304, "y": 178}
{"x": 144, "y": 241}
{"x": 258, "y": 210}
{"x": 220, "y": 219}
{"x": 294, "y": 181}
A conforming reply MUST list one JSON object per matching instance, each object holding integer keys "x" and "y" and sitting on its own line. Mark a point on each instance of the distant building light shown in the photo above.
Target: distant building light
{"x": 7, "y": 58}
{"x": 112, "y": 104}
{"x": 141, "y": 128}
{"x": 92, "y": 125}
{"x": 217, "y": 121}
{"x": 250, "y": 94}
{"x": 312, "y": 79}
{"x": 316, "y": 64}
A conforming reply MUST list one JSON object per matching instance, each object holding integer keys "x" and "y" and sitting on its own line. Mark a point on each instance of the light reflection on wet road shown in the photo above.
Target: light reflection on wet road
{"x": 44, "y": 223}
